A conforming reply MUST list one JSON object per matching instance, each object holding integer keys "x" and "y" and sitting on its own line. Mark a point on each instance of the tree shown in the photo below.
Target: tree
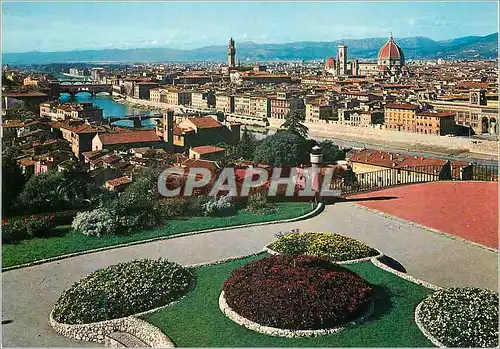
{"x": 331, "y": 152}
{"x": 246, "y": 146}
{"x": 13, "y": 182}
{"x": 293, "y": 124}
{"x": 282, "y": 148}
{"x": 42, "y": 192}
{"x": 76, "y": 187}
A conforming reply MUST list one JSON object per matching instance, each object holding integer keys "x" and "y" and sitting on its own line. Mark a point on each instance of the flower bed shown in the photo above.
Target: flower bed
{"x": 121, "y": 290}
{"x": 14, "y": 230}
{"x": 329, "y": 246}
{"x": 461, "y": 317}
{"x": 302, "y": 293}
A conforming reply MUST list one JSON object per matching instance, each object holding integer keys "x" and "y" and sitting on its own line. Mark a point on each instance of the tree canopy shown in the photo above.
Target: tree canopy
{"x": 282, "y": 148}
{"x": 293, "y": 124}
{"x": 12, "y": 183}
{"x": 246, "y": 146}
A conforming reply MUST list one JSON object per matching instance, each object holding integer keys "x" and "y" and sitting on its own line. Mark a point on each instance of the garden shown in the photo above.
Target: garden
{"x": 335, "y": 295}
{"x": 137, "y": 214}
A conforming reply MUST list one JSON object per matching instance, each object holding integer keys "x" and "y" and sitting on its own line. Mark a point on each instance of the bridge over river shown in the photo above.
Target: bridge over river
{"x": 136, "y": 118}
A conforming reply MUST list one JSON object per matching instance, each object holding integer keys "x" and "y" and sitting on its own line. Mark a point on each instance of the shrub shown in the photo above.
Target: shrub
{"x": 305, "y": 293}
{"x": 170, "y": 208}
{"x": 195, "y": 205}
{"x": 13, "y": 231}
{"x": 98, "y": 222}
{"x": 223, "y": 205}
{"x": 462, "y": 317}
{"x": 257, "y": 203}
{"x": 122, "y": 290}
{"x": 333, "y": 247}
{"x": 25, "y": 228}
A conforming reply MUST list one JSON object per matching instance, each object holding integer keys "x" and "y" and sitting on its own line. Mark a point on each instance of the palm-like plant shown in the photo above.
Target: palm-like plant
{"x": 293, "y": 124}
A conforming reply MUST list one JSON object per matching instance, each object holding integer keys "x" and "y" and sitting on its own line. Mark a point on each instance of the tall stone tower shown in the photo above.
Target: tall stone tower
{"x": 168, "y": 128}
{"x": 231, "y": 54}
{"x": 342, "y": 60}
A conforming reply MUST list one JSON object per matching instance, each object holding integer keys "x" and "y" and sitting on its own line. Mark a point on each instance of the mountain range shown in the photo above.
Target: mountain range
{"x": 469, "y": 47}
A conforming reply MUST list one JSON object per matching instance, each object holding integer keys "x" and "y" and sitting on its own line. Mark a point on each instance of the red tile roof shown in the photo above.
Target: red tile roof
{"x": 128, "y": 137}
{"x": 206, "y": 149}
{"x": 205, "y": 122}
{"x": 441, "y": 114}
{"x": 383, "y": 159}
{"x": 115, "y": 182}
{"x": 402, "y": 106}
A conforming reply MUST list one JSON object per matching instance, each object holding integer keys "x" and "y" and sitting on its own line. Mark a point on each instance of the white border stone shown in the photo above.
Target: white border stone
{"x": 422, "y": 329}
{"x": 319, "y": 207}
{"x": 351, "y": 261}
{"x": 279, "y": 332}
{"x": 97, "y": 331}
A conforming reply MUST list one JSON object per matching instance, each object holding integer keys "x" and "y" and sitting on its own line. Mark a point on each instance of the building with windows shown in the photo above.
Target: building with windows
{"x": 435, "y": 123}
{"x": 141, "y": 89}
{"x": 66, "y": 111}
{"x": 285, "y": 103}
{"x": 400, "y": 117}
{"x": 224, "y": 102}
{"x": 474, "y": 116}
{"x": 203, "y": 100}
{"x": 318, "y": 110}
{"x": 178, "y": 97}
{"x": 158, "y": 95}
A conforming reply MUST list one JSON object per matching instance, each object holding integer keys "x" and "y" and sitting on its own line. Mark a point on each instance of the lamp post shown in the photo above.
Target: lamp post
{"x": 316, "y": 158}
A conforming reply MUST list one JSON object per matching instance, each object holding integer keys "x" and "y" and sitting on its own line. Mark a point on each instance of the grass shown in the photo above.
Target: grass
{"x": 196, "y": 321}
{"x": 67, "y": 241}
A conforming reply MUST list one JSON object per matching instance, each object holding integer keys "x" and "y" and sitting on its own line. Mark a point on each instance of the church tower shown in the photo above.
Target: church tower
{"x": 231, "y": 53}
{"x": 342, "y": 60}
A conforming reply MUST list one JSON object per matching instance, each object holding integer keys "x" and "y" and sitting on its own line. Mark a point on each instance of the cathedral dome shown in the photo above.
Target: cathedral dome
{"x": 390, "y": 51}
{"x": 330, "y": 63}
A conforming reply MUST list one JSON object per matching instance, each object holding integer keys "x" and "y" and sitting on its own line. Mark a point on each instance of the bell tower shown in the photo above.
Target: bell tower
{"x": 231, "y": 54}
{"x": 342, "y": 60}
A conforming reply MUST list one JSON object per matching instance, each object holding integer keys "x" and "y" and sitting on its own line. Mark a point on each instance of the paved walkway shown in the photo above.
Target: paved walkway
{"x": 30, "y": 293}
{"x": 465, "y": 209}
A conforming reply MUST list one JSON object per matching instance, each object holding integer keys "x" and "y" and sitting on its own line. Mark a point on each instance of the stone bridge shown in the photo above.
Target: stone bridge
{"x": 137, "y": 119}
{"x": 78, "y": 87}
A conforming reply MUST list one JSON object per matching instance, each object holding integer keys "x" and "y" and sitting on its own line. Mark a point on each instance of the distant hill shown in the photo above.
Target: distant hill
{"x": 469, "y": 47}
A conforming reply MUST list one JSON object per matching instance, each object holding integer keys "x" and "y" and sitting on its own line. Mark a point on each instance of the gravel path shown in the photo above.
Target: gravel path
{"x": 29, "y": 293}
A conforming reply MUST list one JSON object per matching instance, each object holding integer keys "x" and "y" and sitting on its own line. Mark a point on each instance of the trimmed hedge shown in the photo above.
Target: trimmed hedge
{"x": 303, "y": 293}
{"x": 122, "y": 290}
{"x": 462, "y": 317}
{"x": 329, "y": 246}
{"x": 15, "y": 230}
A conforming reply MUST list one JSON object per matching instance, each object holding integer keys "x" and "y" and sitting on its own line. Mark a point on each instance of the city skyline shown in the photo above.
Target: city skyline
{"x": 50, "y": 27}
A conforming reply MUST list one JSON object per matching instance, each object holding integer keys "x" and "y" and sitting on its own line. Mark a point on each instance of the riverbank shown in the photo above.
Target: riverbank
{"x": 134, "y": 103}
{"x": 439, "y": 145}
{"x": 361, "y": 137}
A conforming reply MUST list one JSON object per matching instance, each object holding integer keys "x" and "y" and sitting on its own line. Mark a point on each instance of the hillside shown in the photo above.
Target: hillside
{"x": 469, "y": 47}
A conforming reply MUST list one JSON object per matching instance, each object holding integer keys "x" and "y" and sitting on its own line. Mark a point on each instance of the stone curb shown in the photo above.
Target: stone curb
{"x": 375, "y": 261}
{"x": 422, "y": 329}
{"x": 318, "y": 209}
{"x": 97, "y": 331}
{"x": 421, "y": 226}
{"x": 148, "y": 333}
{"x": 405, "y": 276}
{"x": 279, "y": 332}
{"x": 351, "y": 261}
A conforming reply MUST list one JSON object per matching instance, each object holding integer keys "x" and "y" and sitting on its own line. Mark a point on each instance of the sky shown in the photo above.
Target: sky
{"x": 64, "y": 26}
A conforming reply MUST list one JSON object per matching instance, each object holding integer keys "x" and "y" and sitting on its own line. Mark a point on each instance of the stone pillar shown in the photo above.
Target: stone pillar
{"x": 316, "y": 158}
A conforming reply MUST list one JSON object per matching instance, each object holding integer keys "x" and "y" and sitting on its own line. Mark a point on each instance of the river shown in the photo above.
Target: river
{"x": 111, "y": 108}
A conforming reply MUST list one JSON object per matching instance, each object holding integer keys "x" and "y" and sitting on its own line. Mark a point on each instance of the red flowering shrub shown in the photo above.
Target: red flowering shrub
{"x": 313, "y": 294}
{"x": 28, "y": 227}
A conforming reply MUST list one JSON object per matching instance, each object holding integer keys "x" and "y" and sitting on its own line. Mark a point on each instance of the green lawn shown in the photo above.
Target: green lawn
{"x": 69, "y": 241}
{"x": 196, "y": 321}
